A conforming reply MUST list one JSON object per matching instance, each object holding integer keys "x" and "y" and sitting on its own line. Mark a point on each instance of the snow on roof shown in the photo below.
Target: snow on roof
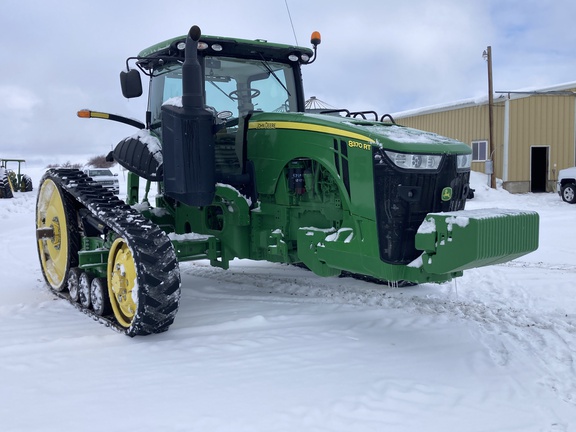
{"x": 498, "y": 96}
{"x": 556, "y": 87}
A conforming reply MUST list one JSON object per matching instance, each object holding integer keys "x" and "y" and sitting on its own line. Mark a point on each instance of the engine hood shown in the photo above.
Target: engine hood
{"x": 567, "y": 173}
{"x": 386, "y": 135}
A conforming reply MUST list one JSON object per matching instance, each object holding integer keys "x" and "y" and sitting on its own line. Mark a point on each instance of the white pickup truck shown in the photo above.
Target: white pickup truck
{"x": 566, "y": 185}
{"x": 105, "y": 177}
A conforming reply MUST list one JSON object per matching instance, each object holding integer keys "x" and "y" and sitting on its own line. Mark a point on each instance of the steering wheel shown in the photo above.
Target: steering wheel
{"x": 234, "y": 95}
{"x": 230, "y": 122}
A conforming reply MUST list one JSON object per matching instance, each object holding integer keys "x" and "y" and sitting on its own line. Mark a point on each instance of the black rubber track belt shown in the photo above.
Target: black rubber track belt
{"x": 158, "y": 274}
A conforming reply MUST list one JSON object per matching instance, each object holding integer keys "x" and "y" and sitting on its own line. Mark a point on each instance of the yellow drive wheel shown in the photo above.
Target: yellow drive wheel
{"x": 57, "y": 234}
{"x": 122, "y": 282}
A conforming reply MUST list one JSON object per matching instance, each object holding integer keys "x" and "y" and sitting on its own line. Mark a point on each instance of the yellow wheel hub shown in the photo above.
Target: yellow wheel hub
{"x": 53, "y": 251}
{"x": 57, "y": 239}
{"x": 122, "y": 284}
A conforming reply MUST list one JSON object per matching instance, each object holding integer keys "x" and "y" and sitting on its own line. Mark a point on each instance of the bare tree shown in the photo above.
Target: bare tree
{"x": 66, "y": 164}
{"x": 100, "y": 162}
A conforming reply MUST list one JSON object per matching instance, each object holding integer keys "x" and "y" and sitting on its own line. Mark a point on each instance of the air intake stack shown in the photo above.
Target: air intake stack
{"x": 188, "y": 141}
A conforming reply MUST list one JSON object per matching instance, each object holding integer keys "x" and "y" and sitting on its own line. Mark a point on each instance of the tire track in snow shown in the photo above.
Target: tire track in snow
{"x": 547, "y": 337}
{"x": 540, "y": 265}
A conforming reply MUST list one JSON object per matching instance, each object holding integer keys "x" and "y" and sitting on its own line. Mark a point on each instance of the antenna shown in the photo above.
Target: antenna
{"x": 291, "y": 23}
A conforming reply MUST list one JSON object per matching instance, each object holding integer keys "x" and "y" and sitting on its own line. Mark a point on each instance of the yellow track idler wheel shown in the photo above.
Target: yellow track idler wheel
{"x": 57, "y": 235}
{"x": 122, "y": 283}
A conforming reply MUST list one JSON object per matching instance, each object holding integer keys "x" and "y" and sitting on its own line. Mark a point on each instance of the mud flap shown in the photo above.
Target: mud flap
{"x": 461, "y": 240}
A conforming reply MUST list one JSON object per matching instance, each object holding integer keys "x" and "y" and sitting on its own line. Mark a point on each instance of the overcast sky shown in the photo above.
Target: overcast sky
{"x": 60, "y": 56}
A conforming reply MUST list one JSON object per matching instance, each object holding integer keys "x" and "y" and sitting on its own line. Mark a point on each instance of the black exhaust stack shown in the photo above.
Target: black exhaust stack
{"x": 187, "y": 138}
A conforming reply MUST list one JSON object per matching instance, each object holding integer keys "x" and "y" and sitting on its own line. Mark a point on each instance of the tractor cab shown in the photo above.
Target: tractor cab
{"x": 211, "y": 86}
{"x": 234, "y": 89}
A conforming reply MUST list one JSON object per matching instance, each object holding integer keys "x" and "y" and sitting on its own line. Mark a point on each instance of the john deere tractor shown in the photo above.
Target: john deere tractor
{"x": 242, "y": 171}
{"x": 11, "y": 180}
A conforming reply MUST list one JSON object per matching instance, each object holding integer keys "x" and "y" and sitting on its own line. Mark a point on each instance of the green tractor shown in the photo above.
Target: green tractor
{"x": 242, "y": 171}
{"x": 11, "y": 181}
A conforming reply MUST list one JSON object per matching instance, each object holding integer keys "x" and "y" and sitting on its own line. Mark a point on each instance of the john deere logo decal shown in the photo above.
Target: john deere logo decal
{"x": 447, "y": 194}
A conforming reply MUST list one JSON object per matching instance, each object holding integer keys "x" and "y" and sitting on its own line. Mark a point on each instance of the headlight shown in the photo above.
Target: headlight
{"x": 415, "y": 161}
{"x": 463, "y": 161}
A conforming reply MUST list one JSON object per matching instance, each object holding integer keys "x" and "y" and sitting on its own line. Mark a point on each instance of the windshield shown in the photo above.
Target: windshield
{"x": 237, "y": 85}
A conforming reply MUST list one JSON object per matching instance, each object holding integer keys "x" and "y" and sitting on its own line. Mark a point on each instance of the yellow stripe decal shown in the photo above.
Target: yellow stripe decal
{"x": 308, "y": 127}
{"x": 96, "y": 114}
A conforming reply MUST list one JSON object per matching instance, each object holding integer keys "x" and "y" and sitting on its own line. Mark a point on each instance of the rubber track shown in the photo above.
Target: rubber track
{"x": 158, "y": 274}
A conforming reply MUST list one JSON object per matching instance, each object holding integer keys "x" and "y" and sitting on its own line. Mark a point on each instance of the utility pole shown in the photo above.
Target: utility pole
{"x": 491, "y": 148}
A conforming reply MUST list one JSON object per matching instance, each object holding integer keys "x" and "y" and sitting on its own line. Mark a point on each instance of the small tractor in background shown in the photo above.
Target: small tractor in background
{"x": 243, "y": 171}
{"x": 13, "y": 181}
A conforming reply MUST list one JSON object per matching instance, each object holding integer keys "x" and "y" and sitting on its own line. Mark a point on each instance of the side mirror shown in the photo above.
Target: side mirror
{"x": 131, "y": 84}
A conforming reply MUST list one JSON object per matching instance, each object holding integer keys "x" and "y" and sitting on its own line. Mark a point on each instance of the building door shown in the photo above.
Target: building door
{"x": 538, "y": 168}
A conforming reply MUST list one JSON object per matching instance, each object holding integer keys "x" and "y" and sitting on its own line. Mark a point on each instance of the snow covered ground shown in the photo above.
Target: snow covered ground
{"x": 267, "y": 347}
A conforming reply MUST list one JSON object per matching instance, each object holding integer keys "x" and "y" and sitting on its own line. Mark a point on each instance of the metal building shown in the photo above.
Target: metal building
{"x": 534, "y": 133}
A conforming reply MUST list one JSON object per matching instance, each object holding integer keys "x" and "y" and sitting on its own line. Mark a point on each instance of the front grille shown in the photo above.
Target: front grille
{"x": 404, "y": 197}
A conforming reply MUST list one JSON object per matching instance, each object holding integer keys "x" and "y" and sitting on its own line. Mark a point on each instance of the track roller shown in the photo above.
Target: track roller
{"x": 84, "y": 289}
